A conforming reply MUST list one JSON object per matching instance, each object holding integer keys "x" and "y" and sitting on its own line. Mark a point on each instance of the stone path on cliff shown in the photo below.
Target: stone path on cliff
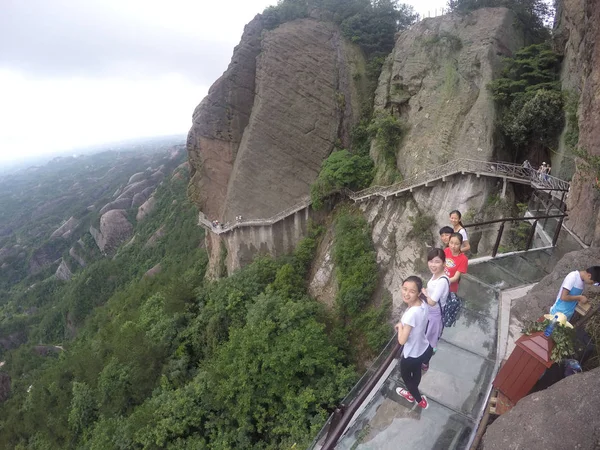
{"x": 506, "y": 171}
{"x": 458, "y": 382}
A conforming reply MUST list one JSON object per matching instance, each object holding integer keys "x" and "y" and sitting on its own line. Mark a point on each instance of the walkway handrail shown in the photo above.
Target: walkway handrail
{"x": 340, "y": 426}
{"x": 463, "y": 165}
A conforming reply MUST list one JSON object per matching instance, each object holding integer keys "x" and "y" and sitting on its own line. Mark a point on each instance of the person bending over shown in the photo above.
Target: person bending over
{"x": 571, "y": 290}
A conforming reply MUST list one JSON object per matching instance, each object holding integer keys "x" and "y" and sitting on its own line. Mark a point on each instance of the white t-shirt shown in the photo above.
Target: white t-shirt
{"x": 438, "y": 290}
{"x": 417, "y": 343}
{"x": 464, "y": 234}
{"x": 575, "y": 285}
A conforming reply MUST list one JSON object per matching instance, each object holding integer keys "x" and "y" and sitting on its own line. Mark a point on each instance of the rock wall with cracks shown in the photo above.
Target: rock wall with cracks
{"x": 261, "y": 134}
{"x": 435, "y": 81}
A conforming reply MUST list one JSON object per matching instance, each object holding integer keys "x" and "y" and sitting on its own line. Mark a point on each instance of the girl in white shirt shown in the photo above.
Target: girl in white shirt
{"x": 436, "y": 293}
{"x": 411, "y": 334}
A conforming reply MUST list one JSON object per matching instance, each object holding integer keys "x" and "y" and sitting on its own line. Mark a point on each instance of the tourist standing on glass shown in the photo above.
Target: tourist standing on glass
{"x": 436, "y": 293}
{"x": 411, "y": 334}
{"x": 456, "y": 262}
{"x": 458, "y": 227}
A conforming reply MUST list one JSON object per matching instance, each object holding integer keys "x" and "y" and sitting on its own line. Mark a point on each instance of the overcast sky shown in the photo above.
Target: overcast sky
{"x": 81, "y": 72}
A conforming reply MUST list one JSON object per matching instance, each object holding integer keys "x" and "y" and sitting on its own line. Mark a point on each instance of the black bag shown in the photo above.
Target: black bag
{"x": 451, "y": 312}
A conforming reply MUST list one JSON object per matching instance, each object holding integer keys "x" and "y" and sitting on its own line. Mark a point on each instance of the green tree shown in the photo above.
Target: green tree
{"x": 529, "y": 98}
{"x": 83, "y": 407}
{"x": 341, "y": 170}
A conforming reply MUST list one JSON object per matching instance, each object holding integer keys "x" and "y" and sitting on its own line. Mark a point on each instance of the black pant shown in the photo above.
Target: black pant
{"x": 410, "y": 369}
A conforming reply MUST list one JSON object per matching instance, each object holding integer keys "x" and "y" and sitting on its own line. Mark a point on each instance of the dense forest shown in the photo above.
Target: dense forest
{"x": 114, "y": 358}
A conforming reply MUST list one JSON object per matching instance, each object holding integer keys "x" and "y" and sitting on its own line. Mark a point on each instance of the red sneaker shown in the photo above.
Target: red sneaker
{"x": 424, "y": 368}
{"x": 404, "y": 393}
{"x": 423, "y": 403}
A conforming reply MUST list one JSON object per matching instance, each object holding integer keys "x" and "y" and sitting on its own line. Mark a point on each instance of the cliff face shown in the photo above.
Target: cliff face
{"x": 261, "y": 134}
{"x": 579, "y": 38}
{"x": 435, "y": 81}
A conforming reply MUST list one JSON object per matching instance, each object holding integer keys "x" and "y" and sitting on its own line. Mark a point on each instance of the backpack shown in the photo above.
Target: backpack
{"x": 451, "y": 312}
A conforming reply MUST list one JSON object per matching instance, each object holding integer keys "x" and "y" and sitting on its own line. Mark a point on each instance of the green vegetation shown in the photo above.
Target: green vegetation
{"x": 421, "y": 225}
{"x": 563, "y": 337}
{"x": 388, "y": 132}
{"x": 443, "y": 39}
{"x": 533, "y": 15}
{"x": 341, "y": 170}
{"x": 529, "y": 99}
{"x": 176, "y": 361}
{"x": 357, "y": 273}
{"x": 370, "y": 24}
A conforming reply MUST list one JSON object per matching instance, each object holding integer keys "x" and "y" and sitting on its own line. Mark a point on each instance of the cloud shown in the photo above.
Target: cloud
{"x": 70, "y": 38}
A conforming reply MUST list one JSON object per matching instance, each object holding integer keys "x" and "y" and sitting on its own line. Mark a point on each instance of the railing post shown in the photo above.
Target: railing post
{"x": 531, "y": 235}
{"x": 557, "y": 232}
{"x": 497, "y": 244}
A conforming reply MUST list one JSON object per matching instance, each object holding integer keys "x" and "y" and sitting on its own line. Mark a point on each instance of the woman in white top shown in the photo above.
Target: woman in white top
{"x": 411, "y": 334}
{"x": 455, "y": 217}
{"x": 436, "y": 294}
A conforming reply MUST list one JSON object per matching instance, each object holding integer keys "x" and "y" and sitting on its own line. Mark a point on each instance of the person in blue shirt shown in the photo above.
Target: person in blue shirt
{"x": 571, "y": 290}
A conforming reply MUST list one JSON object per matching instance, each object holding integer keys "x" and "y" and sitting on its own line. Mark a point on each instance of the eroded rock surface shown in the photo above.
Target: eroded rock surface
{"x": 114, "y": 230}
{"x": 563, "y": 416}
{"x": 261, "y": 134}
{"x": 578, "y": 37}
{"x": 436, "y": 80}
{"x": 63, "y": 272}
{"x": 121, "y": 203}
{"x": 65, "y": 229}
{"x": 145, "y": 209}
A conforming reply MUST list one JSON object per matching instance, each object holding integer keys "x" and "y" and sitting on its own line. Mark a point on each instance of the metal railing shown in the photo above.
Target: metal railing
{"x": 533, "y": 220}
{"x": 341, "y": 417}
{"x": 510, "y": 171}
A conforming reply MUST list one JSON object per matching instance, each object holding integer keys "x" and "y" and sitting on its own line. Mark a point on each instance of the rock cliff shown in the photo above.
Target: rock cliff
{"x": 435, "y": 81}
{"x": 261, "y": 134}
{"x": 114, "y": 230}
{"x": 563, "y": 416}
{"x": 578, "y": 37}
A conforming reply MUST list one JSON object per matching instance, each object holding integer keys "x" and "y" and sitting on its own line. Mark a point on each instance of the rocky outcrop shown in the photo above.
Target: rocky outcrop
{"x": 4, "y": 386}
{"x": 63, "y": 272}
{"x": 73, "y": 253}
{"x": 120, "y": 203}
{"x": 13, "y": 340}
{"x": 152, "y": 241}
{"x": 153, "y": 271}
{"x": 563, "y": 416}
{"x": 435, "y": 81}
{"x": 145, "y": 209}
{"x": 43, "y": 257}
{"x": 114, "y": 230}
{"x": 261, "y": 134}
{"x": 47, "y": 350}
{"x": 136, "y": 177}
{"x": 579, "y": 40}
{"x": 65, "y": 230}
{"x": 138, "y": 200}
{"x": 134, "y": 188}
